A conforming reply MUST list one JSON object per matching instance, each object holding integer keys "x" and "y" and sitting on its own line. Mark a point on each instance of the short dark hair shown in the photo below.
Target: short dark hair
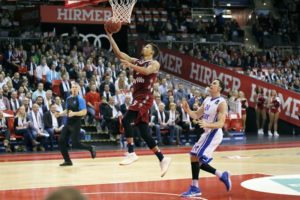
{"x": 155, "y": 48}
{"x": 221, "y": 84}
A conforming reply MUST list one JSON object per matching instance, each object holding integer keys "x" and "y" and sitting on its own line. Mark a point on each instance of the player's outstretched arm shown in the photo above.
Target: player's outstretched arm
{"x": 118, "y": 53}
{"x": 222, "y": 111}
{"x": 193, "y": 114}
{"x": 152, "y": 68}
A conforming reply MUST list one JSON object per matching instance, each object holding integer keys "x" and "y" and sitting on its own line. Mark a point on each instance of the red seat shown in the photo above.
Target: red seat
{"x": 227, "y": 124}
{"x": 55, "y": 87}
{"x": 10, "y": 123}
{"x": 236, "y": 124}
{"x": 164, "y": 131}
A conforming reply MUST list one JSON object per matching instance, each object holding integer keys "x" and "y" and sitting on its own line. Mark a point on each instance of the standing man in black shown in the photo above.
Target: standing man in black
{"x": 75, "y": 110}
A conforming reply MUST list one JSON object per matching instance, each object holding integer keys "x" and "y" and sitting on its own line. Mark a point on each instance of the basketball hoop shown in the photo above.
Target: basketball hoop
{"x": 122, "y": 10}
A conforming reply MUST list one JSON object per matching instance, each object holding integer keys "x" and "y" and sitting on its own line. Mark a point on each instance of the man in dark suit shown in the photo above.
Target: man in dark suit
{"x": 65, "y": 87}
{"x": 111, "y": 115}
{"x": 106, "y": 81}
{"x": 184, "y": 122}
{"x": 159, "y": 121}
{"x": 52, "y": 123}
{"x": 15, "y": 103}
{"x": 126, "y": 104}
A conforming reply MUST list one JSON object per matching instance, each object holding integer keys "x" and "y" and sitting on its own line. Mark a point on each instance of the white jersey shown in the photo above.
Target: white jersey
{"x": 211, "y": 138}
{"x": 210, "y": 106}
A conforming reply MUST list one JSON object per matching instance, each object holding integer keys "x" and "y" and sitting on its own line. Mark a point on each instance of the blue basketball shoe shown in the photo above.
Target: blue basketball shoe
{"x": 192, "y": 192}
{"x": 225, "y": 178}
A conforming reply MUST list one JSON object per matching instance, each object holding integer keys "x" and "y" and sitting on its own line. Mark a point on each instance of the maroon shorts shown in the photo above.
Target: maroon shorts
{"x": 142, "y": 104}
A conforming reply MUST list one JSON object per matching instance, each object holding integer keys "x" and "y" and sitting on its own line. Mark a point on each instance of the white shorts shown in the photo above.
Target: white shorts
{"x": 207, "y": 144}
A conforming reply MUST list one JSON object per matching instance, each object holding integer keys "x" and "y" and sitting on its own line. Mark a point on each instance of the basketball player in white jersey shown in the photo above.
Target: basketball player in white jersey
{"x": 211, "y": 117}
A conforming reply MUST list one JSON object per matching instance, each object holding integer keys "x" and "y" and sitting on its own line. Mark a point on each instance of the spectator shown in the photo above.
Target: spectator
{"x": 51, "y": 75}
{"x": 52, "y": 123}
{"x": 111, "y": 115}
{"x": 91, "y": 98}
{"x": 22, "y": 127}
{"x": 37, "y": 126}
{"x": 4, "y": 131}
{"x": 42, "y": 70}
{"x": 4, "y": 102}
{"x": 15, "y": 103}
{"x": 65, "y": 86}
{"x": 39, "y": 92}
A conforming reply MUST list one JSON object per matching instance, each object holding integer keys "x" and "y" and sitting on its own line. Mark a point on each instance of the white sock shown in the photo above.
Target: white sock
{"x": 218, "y": 173}
{"x": 195, "y": 183}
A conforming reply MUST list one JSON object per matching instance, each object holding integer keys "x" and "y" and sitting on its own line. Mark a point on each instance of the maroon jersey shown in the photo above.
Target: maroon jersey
{"x": 143, "y": 84}
{"x": 142, "y": 92}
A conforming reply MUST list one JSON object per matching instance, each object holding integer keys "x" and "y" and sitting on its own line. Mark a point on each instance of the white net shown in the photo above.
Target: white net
{"x": 122, "y": 10}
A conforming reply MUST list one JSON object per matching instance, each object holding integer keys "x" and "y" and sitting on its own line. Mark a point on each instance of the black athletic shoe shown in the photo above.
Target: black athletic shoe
{"x": 93, "y": 152}
{"x": 64, "y": 164}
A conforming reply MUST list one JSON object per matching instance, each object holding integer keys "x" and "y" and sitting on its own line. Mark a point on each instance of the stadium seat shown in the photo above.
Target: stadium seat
{"x": 226, "y": 124}
{"x": 13, "y": 136}
{"x": 236, "y": 124}
{"x": 55, "y": 87}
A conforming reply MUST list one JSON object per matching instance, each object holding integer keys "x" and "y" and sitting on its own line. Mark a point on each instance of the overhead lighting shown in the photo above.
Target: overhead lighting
{"x": 228, "y": 4}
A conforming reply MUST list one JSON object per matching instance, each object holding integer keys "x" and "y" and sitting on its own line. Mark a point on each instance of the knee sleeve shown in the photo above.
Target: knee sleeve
{"x": 127, "y": 123}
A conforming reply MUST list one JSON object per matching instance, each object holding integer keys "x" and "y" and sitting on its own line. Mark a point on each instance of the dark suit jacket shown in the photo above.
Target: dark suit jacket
{"x": 11, "y": 106}
{"x": 62, "y": 90}
{"x": 123, "y": 108}
{"x": 108, "y": 112}
{"x": 48, "y": 120}
{"x": 112, "y": 88}
{"x": 156, "y": 119}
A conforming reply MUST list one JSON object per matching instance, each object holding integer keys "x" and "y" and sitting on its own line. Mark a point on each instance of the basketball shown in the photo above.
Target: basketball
{"x": 113, "y": 26}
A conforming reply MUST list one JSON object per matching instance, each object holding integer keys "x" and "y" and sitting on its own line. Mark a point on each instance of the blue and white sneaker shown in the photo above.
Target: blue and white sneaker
{"x": 192, "y": 192}
{"x": 225, "y": 178}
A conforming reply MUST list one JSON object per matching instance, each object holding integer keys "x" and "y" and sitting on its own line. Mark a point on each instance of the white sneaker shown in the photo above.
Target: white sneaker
{"x": 276, "y": 134}
{"x": 129, "y": 158}
{"x": 270, "y": 133}
{"x": 164, "y": 165}
{"x": 260, "y": 131}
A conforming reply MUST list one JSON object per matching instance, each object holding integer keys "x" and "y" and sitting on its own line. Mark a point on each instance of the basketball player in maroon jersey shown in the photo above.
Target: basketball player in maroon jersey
{"x": 145, "y": 74}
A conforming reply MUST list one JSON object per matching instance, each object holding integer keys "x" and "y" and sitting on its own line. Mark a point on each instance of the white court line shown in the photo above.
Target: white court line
{"x": 149, "y": 193}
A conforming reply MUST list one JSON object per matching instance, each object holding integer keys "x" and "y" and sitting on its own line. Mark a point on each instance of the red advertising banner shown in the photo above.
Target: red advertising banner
{"x": 203, "y": 73}
{"x": 86, "y": 15}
